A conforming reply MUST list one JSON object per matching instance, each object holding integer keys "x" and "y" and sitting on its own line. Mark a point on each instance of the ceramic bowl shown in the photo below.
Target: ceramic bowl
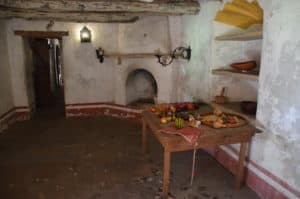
{"x": 244, "y": 66}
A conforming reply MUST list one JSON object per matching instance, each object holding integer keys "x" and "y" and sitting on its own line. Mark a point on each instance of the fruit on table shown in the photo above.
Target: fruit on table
{"x": 208, "y": 122}
{"x": 232, "y": 120}
{"x": 180, "y": 107}
{"x": 190, "y": 106}
{"x": 194, "y": 123}
{"x": 163, "y": 120}
{"x": 179, "y": 123}
{"x": 173, "y": 117}
{"x": 161, "y": 113}
{"x": 218, "y": 124}
{"x": 153, "y": 110}
{"x": 218, "y": 112}
{"x": 186, "y": 117}
{"x": 173, "y": 109}
{"x": 169, "y": 119}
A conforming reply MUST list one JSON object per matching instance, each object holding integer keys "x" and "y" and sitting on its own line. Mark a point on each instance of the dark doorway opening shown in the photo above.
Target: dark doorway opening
{"x": 47, "y": 75}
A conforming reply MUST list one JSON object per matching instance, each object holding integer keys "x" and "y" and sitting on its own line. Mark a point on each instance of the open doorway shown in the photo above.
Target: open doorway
{"x": 43, "y": 70}
{"x": 47, "y": 74}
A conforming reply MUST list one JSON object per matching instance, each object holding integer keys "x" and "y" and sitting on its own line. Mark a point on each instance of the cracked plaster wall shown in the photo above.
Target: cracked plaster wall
{"x": 197, "y": 31}
{"x": 278, "y": 149}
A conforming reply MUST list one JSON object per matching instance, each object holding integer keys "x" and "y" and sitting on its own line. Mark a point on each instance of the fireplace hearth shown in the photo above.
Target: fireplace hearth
{"x": 141, "y": 88}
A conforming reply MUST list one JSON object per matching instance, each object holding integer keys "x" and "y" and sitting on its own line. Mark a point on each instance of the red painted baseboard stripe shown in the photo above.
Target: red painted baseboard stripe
{"x": 94, "y": 109}
{"x": 93, "y": 104}
{"x": 18, "y": 113}
{"x": 6, "y": 113}
{"x": 7, "y": 119}
{"x": 265, "y": 184}
{"x": 268, "y": 174}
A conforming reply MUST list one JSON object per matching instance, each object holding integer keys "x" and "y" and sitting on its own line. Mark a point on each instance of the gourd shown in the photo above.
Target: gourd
{"x": 179, "y": 123}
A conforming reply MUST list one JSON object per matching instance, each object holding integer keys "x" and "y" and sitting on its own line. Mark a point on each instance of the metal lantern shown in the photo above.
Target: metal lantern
{"x": 85, "y": 35}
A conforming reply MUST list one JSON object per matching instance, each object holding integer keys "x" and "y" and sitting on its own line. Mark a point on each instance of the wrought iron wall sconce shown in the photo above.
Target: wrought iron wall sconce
{"x": 100, "y": 54}
{"x": 163, "y": 59}
{"x": 85, "y": 35}
{"x": 179, "y": 52}
{"x": 182, "y": 52}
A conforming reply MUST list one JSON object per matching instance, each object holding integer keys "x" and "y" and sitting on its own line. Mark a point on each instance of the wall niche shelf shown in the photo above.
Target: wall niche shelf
{"x": 251, "y": 75}
{"x": 253, "y": 33}
{"x": 244, "y": 36}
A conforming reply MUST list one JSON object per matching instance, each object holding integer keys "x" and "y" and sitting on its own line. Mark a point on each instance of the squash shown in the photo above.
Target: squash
{"x": 179, "y": 123}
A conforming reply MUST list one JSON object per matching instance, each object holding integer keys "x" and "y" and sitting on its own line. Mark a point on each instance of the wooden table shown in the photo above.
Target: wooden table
{"x": 213, "y": 137}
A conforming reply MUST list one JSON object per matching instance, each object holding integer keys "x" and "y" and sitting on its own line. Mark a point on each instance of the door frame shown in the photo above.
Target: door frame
{"x": 43, "y": 34}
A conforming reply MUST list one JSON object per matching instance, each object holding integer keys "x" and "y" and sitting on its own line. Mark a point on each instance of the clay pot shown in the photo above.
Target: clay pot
{"x": 221, "y": 99}
{"x": 249, "y": 107}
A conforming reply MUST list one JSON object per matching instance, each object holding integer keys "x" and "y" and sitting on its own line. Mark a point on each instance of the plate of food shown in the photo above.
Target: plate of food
{"x": 219, "y": 119}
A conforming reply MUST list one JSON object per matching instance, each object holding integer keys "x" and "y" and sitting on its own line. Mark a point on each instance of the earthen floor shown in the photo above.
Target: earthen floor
{"x": 100, "y": 157}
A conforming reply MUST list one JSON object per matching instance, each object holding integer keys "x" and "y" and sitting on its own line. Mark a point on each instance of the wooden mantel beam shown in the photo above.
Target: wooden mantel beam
{"x": 157, "y": 7}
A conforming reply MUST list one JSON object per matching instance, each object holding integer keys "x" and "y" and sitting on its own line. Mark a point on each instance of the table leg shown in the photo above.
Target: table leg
{"x": 241, "y": 168}
{"x": 166, "y": 175}
{"x": 144, "y": 137}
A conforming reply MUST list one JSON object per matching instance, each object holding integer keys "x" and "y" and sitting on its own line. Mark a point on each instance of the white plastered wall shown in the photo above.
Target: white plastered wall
{"x": 6, "y": 97}
{"x": 278, "y": 149}
{"x": 197, "y": 31}
{"x": 85, "y": 79}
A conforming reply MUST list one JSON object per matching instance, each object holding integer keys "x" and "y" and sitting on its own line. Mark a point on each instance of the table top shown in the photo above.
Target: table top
{"x": 211, "y": 137}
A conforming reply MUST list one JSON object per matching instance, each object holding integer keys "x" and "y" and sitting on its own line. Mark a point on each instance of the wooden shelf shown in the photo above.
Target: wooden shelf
{"x": 235, "y": 108}
{"x": 251, "y": 75}
{"x": 245, "y": 36}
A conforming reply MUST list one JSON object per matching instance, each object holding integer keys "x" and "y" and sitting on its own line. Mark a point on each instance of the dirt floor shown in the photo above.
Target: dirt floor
{"x": 93, "y": 158}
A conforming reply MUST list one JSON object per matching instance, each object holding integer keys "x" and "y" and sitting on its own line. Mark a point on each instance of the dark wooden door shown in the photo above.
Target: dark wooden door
{"x": 41, "y": 61}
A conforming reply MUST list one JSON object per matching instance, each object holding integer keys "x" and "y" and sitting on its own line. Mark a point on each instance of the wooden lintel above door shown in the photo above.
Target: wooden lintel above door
{"x": 42, "y": 34}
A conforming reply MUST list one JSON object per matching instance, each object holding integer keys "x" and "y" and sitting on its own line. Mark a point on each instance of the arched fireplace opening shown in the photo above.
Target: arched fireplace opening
{"x": 141, "y": 88}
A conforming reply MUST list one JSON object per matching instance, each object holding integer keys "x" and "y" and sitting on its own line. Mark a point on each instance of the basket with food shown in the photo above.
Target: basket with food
{"x": 219, "y": 119}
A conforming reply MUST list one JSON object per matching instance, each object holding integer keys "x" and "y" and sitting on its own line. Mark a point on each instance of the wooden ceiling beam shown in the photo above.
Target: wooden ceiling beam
{"x": 68, "y": 16}
{"x": 157, "y": 7}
